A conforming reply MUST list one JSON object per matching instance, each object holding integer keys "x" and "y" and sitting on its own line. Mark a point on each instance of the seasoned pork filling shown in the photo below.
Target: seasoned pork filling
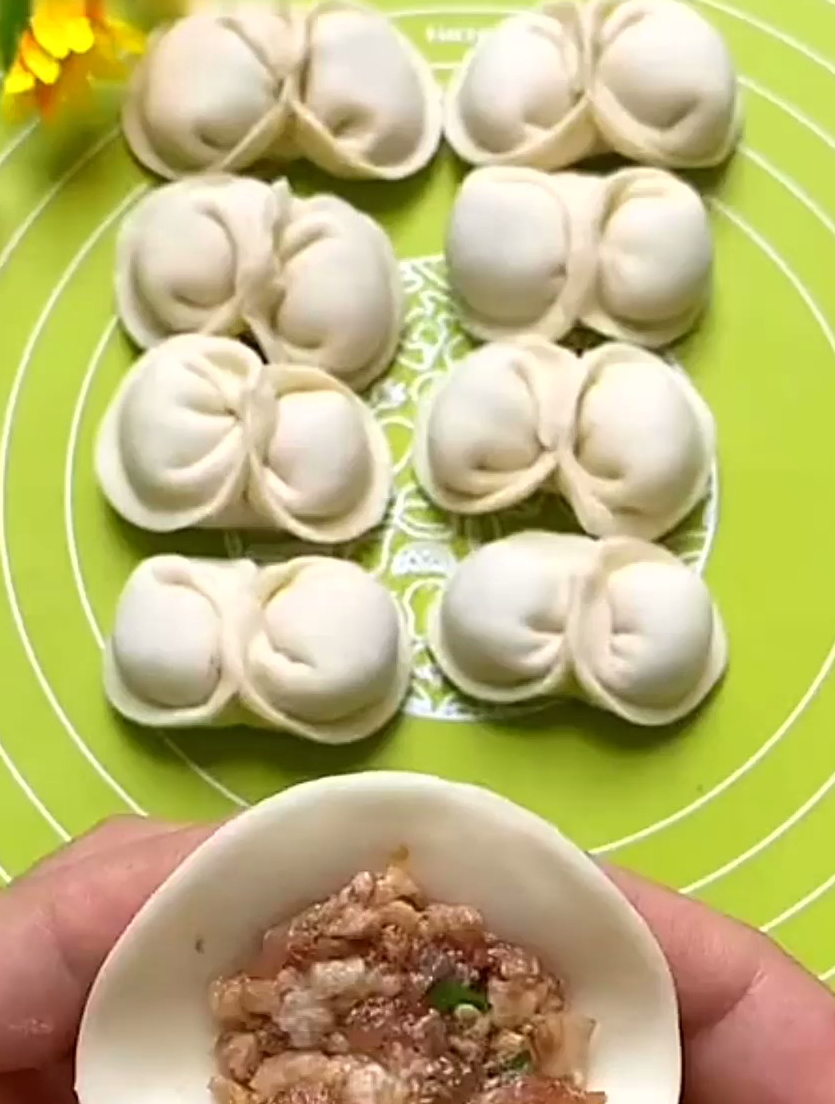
{"x": 379, "y": 996}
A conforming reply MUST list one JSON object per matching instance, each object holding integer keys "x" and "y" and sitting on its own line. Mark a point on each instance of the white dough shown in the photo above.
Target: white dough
{"x": 629, "y": 255}
{"x": 498, "y": 632}
{"x": 640, "y": 448}
{"x": 646, "y": 639}
{"x": 663, "y": 85}
{"x": 192, "y": 255}
{"x": 622, "y": 435}
{"x": 315, "y": 281}
{"x": 654, "y": 259}
{"x": 338, "y": 84}
{"x": 314, "y": 646}
{"x": 202, "y": 433}
{"x": 341, "y": 302}
{"x": 519, "y": 96}
{"x": 619, "y": 622}
{"x": 520, "y": 251}
{"x": 369, "y": 107}
{"x": 326, "y": 652}
{"x": 649, "y": 79}
{"x": 488, "y": 436}
{"x": 215, "y": 90}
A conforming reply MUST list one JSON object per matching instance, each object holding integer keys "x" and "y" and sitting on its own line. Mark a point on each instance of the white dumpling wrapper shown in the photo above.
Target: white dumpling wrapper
{"x": 173, "y": 656}
{"x": 520, "y": 251}
{"x": 215, "y": 91}
{"x": 339, "y": 303}
{"x": 197, "y": 256}
{"x": 326, "y": 652}
{"x": 323, "y": 472}
{"x": 640, "y": 448}
{"x": 654, "y": 259}
{"x": 646, "y": 638}
{"x": 499, "y": 630}
{"x": 519, "y": 96}
{"x": 663, "y": 86}
{"x": 369, "y": 106}
{"x": 489, "y": 435}
{"x": 171, "y": 451}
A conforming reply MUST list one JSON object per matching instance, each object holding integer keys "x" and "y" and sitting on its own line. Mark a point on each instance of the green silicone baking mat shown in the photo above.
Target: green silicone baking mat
{"x": 735, "y": 805}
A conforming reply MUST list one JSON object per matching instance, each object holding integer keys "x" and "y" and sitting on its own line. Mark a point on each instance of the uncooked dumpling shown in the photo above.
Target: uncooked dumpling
{"x": 215, "y": 90}
{"x": 498, "y": 632}
{"x": 654, "y": 259}
{"x": 195, "y": 255}
{"x": 519, "y": 96}
{"x": 202, "y": 433}
{"x": 340, "y": 305}
{"x": 489, "y": 435}
{"x": 646, "y": 639}
{"x": 640, "y": 448}
{"x": 663, "y": 87}
{"x": 619, "y": 432}
{"x": 619, "y": 622}
{"x": 314, "y": 646}
{"x": 368, "y": 104}
{"x": 171, "y": 658}
{"x": 325, "y": 651}
{"x": 629, "y": 255}
{"x": 520, "y": 251}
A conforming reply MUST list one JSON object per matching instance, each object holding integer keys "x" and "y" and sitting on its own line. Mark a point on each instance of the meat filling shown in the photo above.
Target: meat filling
{"x": 379, "y": 996}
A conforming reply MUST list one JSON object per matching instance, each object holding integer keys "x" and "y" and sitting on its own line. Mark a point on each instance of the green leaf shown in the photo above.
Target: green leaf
{"x": 519, "y": 1063}
{"x": 448, "y": 994}
{"x": 14, "y": 15}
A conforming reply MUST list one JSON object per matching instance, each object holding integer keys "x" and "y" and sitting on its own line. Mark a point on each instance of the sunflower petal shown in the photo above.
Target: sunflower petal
{"x": 40, "y": 64}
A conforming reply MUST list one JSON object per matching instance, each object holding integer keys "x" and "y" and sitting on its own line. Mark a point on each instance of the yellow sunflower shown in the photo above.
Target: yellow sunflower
{"x": 66, "y": 45}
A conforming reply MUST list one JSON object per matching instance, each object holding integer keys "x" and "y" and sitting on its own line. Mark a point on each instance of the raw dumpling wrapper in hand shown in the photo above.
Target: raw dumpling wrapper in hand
{"x": 489, "y": 434}
{"x": 325, "y": 651}
{"x": 197, "y": 256}
{"x": 173, "y": 655}
{"x": 663, "y": 86}
{"x": 519, "y": 97}
{"x": 620, "y": 622}
{"x": 338, "y": 84}
{"x": 339, "y": 302}
{"x": 215, "y": 91}
{"x": 649, "y": 79}
{"x": 368, "y": 106}
{"x": 202, "y": 433}
{"x": 314, "y": 646}
{"x": 619, "y": 432}
{"x": 629, "y": 255}
{"x": 314, "y": 280}
{"x": 640, "y": 446}
{"x": 520, "y": 250}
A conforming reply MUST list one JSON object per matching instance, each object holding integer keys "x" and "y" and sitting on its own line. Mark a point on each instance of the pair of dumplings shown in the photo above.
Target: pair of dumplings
{"x": 314, "y": 281}
{"x": 628, "y": 255}
{"x": 622, "y": 435}
{"x": 649, "y": 79}
{"x": 338, "y": 84}
{"x": 313, "y": 646}
{"x": 201, "y": 432}
{"x": 620, "y": 623}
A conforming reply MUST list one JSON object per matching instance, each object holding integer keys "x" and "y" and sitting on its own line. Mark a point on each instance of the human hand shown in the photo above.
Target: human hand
{"x": 757, "y": 1028}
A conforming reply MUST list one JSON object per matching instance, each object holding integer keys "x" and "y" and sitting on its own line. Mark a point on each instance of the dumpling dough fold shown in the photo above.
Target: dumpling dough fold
{"x": 326, "y": 652}
{"x": 621, "y": 434}
{"x": 315, "y": 647}
{"x": 202, "y": 433}
{"x": 215, "y": 91}
{"x": 315, "y": 281}
{"x": 337, "y": 83}
{"x": 649, "y": 79}
{"x": 619, "y": 622}
{"x": 629, "y": 255}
